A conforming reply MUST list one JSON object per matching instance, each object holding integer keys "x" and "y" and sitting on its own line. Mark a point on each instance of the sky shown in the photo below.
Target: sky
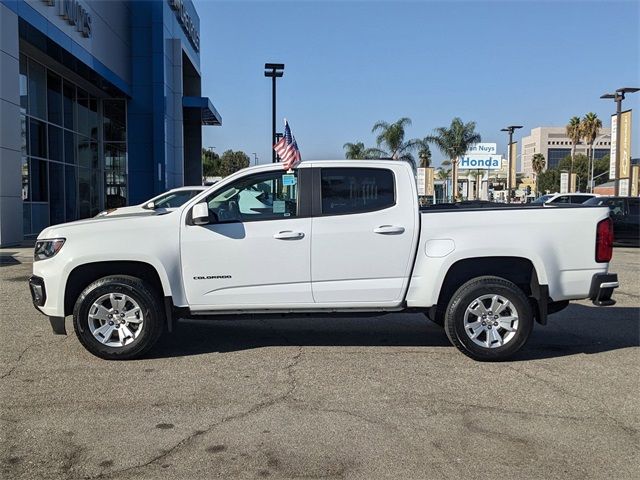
{"x": 350, "y": 64}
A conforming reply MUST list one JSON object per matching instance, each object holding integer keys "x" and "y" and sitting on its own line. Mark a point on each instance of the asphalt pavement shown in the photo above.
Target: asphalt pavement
{"x": 304, "y": 398}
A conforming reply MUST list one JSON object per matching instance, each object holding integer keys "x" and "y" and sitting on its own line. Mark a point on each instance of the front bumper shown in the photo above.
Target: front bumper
{"x": 39, "y": 297}
{"x": 602, "y": 286}
{"x": 38, "y": 291}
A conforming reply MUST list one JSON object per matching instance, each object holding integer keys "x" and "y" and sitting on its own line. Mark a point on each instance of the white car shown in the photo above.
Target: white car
{"x": 331, "y": 238}
{"x": 574, "y": 198}
{"x": 166, "y": 201}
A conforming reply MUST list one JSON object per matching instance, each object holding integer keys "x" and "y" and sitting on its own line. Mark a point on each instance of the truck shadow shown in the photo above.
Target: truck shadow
{"x": 577, "y": 329}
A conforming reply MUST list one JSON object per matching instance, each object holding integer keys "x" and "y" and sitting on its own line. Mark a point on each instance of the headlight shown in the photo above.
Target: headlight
{"x": 47, "y": 248}
{"x": 105, "y": 212}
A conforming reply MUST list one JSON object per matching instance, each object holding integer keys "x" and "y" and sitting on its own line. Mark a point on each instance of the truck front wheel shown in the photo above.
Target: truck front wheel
{"x": 118, "y": 317}
{"x": 488, "y": 318}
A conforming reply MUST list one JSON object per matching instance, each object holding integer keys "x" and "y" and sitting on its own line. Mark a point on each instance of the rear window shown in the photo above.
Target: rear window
{"x": 356, "y": 190}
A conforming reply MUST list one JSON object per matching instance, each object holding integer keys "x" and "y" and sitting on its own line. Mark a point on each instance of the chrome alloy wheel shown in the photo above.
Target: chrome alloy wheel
{"x": 115, "y": 319}
{"x": 491, "y": 321}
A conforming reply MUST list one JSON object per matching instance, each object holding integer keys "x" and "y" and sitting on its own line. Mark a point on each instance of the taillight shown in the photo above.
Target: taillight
{"x": 604, "y": 240}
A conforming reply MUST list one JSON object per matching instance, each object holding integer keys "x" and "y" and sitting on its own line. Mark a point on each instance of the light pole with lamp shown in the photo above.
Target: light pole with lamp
{"x": 510, "y": 129}
{"x": 592, "y": 160}
{"x": 273, "y": 70}
{"x": 617, "y": 97}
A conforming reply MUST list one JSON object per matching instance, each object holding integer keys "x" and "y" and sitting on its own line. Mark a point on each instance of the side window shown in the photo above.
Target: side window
{"x": 174, "y": 200}
{"x": 616, "y": 205}
{"x": 356, "y": 190}
{"x": 579, "y": 198}
{"x": 264, "y": 196}
{"x": 562, "y": 199}
{"x": 634, "y": 208}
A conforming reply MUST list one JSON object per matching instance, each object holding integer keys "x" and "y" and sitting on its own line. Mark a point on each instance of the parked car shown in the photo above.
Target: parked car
{"x": 625, "y": 213}
{"x": 563, "y": 198}
{"x": 331, "y": 238}
{"x": 164, "y": 202}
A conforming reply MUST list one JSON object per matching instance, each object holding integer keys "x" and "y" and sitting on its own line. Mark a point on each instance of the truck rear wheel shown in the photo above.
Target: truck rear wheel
{"x": 488, "y": 319}
{"x": 118, "y": 317}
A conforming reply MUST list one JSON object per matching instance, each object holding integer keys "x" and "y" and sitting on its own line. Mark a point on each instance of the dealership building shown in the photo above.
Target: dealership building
{"x": 100, "y": 107}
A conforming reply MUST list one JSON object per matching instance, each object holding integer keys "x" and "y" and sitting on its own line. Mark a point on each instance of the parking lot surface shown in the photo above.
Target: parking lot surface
{"x": 384, "y": 397}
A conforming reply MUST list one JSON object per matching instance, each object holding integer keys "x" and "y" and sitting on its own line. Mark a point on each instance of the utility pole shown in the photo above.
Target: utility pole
{"x": 273, "y": 70}
{"x": 510, "y": 129}
{"x": 255, "y": 158}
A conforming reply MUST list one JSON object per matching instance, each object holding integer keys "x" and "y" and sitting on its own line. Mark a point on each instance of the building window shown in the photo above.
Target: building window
{"x": 115, "y": 152}
{"x": 556, "y": 155}
{"x": 65, "y": 147}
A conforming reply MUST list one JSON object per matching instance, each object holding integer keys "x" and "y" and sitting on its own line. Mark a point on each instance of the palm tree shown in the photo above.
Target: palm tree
{"x": 357, "y": 151}
{"x": 538, "y": 163}
{"x": 443, "y": 174}
{"x": 591, "y": 126}
{"x": 391, "y": 137}
{"x": 454, "y": 142}
{"x": 574, "y": 132}
{"x": 424, "y": 152}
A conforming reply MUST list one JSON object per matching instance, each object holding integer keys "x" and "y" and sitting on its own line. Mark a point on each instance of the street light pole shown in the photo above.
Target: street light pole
{"x": 273, "y": 70}
{"x": 510, "y": 129}
{"x": 593, "y": 160}
{"x": 617, "y": 97}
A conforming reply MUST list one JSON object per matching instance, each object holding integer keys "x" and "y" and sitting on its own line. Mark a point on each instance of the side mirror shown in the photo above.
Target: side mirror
{"x": 150, "y": 205}
{"x": 200, "y": 214}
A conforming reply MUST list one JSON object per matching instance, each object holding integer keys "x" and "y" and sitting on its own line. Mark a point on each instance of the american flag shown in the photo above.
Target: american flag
{"x": 287, "y": 149}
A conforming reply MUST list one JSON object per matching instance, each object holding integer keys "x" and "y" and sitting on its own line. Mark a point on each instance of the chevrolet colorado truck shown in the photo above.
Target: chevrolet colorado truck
{"x": 330, "y": 238}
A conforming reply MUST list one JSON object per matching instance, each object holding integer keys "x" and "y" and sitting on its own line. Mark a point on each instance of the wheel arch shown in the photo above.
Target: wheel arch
{"x": 518, "y": 270}
{"x": 83, "y": 275}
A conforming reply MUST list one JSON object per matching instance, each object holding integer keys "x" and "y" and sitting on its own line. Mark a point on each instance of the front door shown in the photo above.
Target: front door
{"x": 363, "y": 237}
{"x": 255, "y": 253}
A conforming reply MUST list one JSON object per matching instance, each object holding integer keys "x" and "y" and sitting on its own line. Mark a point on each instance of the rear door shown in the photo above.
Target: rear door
{"x": 363, "y": 236}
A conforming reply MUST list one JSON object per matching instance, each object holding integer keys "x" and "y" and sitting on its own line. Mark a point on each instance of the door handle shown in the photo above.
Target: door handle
{"x": 288, "y": 235}
{"x": 389, "y": 230}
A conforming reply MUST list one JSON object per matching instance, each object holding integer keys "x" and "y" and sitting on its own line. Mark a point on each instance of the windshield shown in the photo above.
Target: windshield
{"x": 541, "y": 200}
{"x": 174, "y": 199}
{"x": 596, "y": 201}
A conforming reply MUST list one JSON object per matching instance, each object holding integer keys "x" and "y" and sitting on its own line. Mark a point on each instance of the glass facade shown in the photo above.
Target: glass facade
{"x": 556, "y": 155}
{"x": 74, "y": 149}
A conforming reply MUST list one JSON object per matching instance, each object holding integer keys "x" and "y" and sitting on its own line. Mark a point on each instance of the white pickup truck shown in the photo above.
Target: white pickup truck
{"x": 332, "y": 237}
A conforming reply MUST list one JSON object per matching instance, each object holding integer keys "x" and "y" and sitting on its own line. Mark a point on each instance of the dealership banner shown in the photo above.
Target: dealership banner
{"x": 513, "y": 160}
{"x": 625, "y": 144}
{"x": 421, "y": 182}
{"x": 613, "y": 151}
{"x": 564, "y": 182}
{"x": 635, "y": 180}
{"x": 574, "y": 182}
{"x": 429, "y": 177}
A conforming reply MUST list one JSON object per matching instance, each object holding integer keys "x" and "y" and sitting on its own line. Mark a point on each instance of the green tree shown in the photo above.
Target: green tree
{"x": 574, "y": 132}
{"x": 591, "y": 126}
{"x": 391, "y": 140}
{"x": 231, "y": 162}
{"x": 538, "y": 163}
{"x": 210, "y": 163}
{"x": 424, "y": 153}
{"x": 580, "y": 168}
{"x": 454, "y": 141}
{"x": 549, "y": 181}
{"x": 357, "y": 151}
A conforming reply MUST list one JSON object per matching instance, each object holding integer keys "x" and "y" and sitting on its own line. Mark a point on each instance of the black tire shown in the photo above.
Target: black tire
{"x": 463, "y": 298}
{"x": 150, "y": 305}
